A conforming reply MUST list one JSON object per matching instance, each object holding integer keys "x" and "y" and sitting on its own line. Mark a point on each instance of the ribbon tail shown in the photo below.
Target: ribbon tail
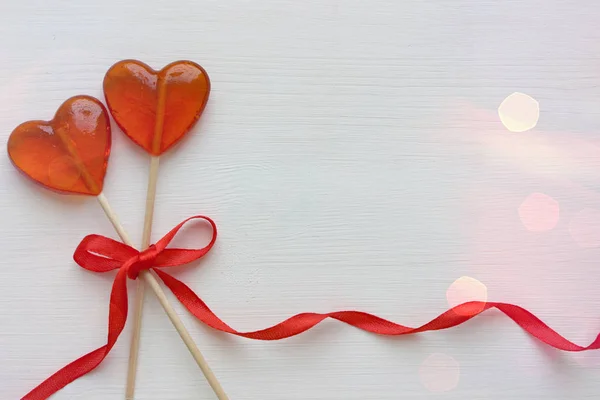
{"x": 290, "y": 327}
{"x": 193, "y": 303}
{"x": 371, "y": 323}
{"x": 538, "y": 329}
{"x": 68, "y": 374}
{"x": 116, "y": 322}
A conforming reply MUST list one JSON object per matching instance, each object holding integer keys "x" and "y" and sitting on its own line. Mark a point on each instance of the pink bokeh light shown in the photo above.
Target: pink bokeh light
{"x": 466, "y": 289}
{"x": 539, "y": 212}
{"x": 439, "y": 373}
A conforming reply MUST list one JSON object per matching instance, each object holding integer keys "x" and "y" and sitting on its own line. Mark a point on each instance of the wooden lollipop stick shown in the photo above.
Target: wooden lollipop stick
{"x": 139, "y": 299}
{"x": 112, "y": 217}
{"x": 150, "y": 199}
{"x": 146, "y": 237}
{"x": 135, "y": 340}
{"x": 162, "y": 298}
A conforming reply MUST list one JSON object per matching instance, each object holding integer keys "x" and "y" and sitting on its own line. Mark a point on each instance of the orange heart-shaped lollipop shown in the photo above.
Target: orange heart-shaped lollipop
{"x": 156, "y": 108}
{"x": 68, "y": 153}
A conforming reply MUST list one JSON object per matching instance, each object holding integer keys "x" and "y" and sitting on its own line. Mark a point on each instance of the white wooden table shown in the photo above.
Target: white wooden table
{"x": 353, "y": 158}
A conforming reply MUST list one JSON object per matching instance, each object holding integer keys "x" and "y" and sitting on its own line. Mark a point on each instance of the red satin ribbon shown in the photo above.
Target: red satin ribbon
{"x": 101, "y": 254}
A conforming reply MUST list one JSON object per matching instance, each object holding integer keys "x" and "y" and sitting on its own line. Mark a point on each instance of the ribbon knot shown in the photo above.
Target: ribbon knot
{"x": 142, "y": 261}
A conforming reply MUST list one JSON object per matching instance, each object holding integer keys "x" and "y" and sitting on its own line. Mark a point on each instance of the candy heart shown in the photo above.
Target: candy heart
{"x": 68, "y": 154}
{"x": 156, "y": 108}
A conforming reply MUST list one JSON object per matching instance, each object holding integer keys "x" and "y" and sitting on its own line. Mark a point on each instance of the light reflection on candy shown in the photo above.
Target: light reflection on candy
{"x": 539, "y": 212}
{"x": 439, "y": 373}
{"x": 519, "y": 112}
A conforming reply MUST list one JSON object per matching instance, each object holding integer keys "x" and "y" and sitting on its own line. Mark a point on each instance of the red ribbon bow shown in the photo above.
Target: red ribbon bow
{"x": 101, "y": 254}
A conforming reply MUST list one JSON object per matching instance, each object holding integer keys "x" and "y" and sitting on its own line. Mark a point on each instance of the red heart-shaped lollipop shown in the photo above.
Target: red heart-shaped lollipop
{"x": 156, "y": 108}
{"x": 68, "y": 153}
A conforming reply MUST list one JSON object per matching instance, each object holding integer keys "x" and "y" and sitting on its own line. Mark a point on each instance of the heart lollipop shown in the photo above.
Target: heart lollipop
{"x": 156, "y": 108}
{"x": 70, "y": 152}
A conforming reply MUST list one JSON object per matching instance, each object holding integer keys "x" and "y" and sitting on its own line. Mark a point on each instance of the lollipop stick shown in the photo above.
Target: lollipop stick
{"x": 150, "y": 198}
{"x": 162, "y": 298}
{"x": 139, "y": 299}
{"x": 146, "y": 236}
{"x": 135, "y": 340}
{"x": 112, "y": 217}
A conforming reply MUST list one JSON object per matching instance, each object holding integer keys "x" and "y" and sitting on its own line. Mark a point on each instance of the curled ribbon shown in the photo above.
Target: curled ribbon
{"x": 101, "y": 254}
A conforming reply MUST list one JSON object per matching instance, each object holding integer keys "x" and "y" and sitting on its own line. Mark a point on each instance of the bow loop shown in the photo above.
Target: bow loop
{"x": 101, "y": 254}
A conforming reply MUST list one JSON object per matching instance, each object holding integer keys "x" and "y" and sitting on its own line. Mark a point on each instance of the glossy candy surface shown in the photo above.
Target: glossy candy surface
{"x": 156, "y": 108}
{"x": 70, "y": 152}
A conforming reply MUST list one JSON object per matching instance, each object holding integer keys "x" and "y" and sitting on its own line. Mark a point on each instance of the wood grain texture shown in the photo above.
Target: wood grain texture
{"x": 352, "y": 156}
